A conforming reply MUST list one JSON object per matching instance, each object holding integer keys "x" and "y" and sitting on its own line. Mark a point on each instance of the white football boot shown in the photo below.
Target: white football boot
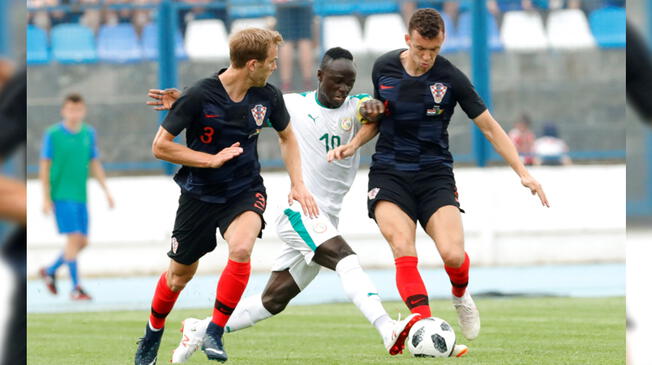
{"x": 468, "y": 315}
{"x": 193, "y": 331}
{"x": 395, "y": 342}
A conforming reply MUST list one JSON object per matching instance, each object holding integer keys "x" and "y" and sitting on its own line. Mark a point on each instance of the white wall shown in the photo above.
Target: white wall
{"x": 504, "y": 224}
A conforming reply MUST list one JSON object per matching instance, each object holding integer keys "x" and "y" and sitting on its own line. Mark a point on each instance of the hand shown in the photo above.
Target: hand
{"x": 47, "y": 206}
{"x": 301, "y": 194}
{"x": 535, "y": 188}
{"x": 341, "y": 152}
{"x": 164, "y": 98}
{"x": 225, "y": 155}
{"x": 372, "y": 110}
{"x": 109, "y": 199}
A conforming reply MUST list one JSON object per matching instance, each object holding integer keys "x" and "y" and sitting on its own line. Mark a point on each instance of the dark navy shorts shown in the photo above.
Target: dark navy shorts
{"x": 197, "y": 221}
{"x": 418, "y": 193}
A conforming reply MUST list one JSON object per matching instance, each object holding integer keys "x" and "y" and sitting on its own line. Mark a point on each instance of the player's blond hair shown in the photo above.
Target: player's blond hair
{"x": 252, "y": 44}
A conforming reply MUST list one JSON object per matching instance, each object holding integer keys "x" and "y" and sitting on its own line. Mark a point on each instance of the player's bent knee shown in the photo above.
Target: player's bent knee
{"x": 240, "y": 253}
{"x": 453, "y": 258}
{"x": 176, "y": 283}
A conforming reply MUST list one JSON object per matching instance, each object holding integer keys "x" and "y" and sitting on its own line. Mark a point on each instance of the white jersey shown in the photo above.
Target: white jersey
{"x": 319, "y": 130}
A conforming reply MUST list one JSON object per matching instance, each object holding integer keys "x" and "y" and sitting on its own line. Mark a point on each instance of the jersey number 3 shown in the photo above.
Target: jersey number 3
{"x": 207, "y": 137}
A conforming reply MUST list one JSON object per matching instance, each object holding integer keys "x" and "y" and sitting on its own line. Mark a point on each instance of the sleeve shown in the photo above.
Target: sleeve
{"x": 279, "y": 118}
{"x": 185, "y": 110}
{"x": 466, "y": 95}
{"x": 374, "y": 79}
{"x": 639, "y": 73}
{"x": 95, "y": 152}
{"x": 13, "y": 114}
{"x": 46, "y": 149}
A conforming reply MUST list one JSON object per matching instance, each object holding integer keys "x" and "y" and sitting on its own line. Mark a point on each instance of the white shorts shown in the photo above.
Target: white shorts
{"x": 301, "y": 236}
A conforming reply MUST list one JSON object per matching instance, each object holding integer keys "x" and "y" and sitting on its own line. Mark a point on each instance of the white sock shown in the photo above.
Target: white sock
{"x": 249, "y": 311}
{"x": 363, "y": 293}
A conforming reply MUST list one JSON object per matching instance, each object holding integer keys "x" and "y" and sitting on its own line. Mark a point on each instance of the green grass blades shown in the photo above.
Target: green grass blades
{"x": 518, "y": 331}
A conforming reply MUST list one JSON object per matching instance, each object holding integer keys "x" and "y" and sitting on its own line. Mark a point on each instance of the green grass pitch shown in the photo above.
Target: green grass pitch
{"x": 518, "y": 331}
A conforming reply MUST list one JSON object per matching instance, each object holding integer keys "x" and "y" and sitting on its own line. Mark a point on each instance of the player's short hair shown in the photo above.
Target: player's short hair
{"x": 73, "y": 98}
{"x": 428, "y": 22}
{"x": 333, "y": 54}
{"x": 252, "y": 44}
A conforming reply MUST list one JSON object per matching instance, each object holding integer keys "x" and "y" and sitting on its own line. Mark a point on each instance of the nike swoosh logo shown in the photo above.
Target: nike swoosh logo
{"x": 153, "y": 362}
{"x": 385, "y": 87}
{"x": 413, "y": 302}
{"x": 211, "y": 116}
{"x": 216, "y": 351}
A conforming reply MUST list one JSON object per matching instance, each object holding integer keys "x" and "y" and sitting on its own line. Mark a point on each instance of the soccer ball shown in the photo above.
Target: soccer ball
{"x": 431, "y": 337}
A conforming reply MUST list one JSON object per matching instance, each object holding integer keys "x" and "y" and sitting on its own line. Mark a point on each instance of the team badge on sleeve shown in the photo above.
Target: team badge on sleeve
{"x": 175, "y": 245}
{"x": 372, "y": 193}
{"x": 258, "y": 112}
{"x": 438, "y": 91}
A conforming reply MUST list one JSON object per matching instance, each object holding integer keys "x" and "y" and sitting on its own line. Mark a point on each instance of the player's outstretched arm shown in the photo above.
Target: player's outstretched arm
{"x": 368, "y": 131}
{"x": 164, "y": 148}
{"x": 292, "y": 159}
{"x": 163, "y": 99}
{"x": 98, "y": 172}
{"x": 504, "y": 146}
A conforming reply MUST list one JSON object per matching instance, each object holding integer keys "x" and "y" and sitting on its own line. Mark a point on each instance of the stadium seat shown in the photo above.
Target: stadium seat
{"x": 452, "y": 43}
{"x": 207, "y": 40}
{"x": 149, "y": 42}
{"x": 465, "y": 32}
{"x": 608, "y": 27}
{"x": 569, "y": 29}
{"x": 523, "y": 31}
{"x": 37, "y": 46}
{"x": 250, "y": 9}
{"x": 118, "y": 43}
{"x": 73, "y": 43}
{"x": 343, "y": 31}
{"x": 384, "y": 32}
{"x": 334, "y": 7}
{"x": 366, "y": 7}
{"x": 240, "y": 24}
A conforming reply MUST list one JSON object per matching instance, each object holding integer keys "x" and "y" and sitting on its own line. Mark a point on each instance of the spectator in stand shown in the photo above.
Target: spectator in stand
{"x": 200, "y": 12}
{"x": 550, "y": 150}
{"x": 523, "y": 138}
{"x": 294, "y": 22}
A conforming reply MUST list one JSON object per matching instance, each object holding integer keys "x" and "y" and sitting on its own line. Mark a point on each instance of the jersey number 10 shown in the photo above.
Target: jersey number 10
{"x": 335, "y": 141}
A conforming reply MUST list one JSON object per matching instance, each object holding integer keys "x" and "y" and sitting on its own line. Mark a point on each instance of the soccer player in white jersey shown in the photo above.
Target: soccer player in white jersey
{"x": 324, "y": 119}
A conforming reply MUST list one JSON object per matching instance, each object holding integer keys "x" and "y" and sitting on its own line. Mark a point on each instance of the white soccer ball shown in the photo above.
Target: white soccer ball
{"x": 431, "y": 337}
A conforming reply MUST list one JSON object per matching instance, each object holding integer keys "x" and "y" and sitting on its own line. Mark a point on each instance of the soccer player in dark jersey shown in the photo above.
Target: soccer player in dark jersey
{"x": 639, "y": 74}
{"x": 411, "y": 176}
{"x": 220, "y": 180}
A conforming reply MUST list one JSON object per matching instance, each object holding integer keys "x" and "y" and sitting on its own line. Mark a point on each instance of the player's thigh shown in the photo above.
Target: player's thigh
{"x": 243, "y": 231}
{"x": 398, "y": 228}
{"x": 445, "y": 228}
{"x": 303, "y": 233}
{"x": 302, "y": 271}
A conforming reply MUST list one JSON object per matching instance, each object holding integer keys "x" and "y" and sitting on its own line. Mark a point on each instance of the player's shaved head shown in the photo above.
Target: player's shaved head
{"x": 333, "y": 54}
{"x": 427, "y": 22}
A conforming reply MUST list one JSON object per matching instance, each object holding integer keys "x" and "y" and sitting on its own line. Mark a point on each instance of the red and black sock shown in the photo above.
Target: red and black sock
{"x": 459, "y": 276}
{"x": 163, "y": 301}
{"x": 229, "y": 290}
{"x": 410, "y": 285}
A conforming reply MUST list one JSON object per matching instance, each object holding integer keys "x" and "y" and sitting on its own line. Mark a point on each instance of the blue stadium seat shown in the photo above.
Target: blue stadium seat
{"x": 150, "y": 43}
{"x": 73, "y": 43}
{"x": 37, "y": 46}
{"x": 465, "y": 32}
{"x": 608, "y": 26}
{"x": 334, "y": 7}
{"x": 118, "y": 43}
{"x": 377, "y": 6}
{"x": 250, "y": 9}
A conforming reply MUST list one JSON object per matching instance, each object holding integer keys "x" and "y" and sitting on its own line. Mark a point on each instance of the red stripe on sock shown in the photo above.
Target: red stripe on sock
{"x": 229, "y": 290}
{"x": 410, "y": 285}
{"x": 459, "y": 276}
{"x": 163, "y": 301}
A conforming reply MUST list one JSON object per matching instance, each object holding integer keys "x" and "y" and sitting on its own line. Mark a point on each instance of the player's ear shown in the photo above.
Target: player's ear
{"x": 251, "y": 65}
{"x": 407, "y": 39}
{"x": 320, "y": 74}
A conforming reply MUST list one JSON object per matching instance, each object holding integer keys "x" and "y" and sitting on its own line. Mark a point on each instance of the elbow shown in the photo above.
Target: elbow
{"x": 156, "y": 149}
